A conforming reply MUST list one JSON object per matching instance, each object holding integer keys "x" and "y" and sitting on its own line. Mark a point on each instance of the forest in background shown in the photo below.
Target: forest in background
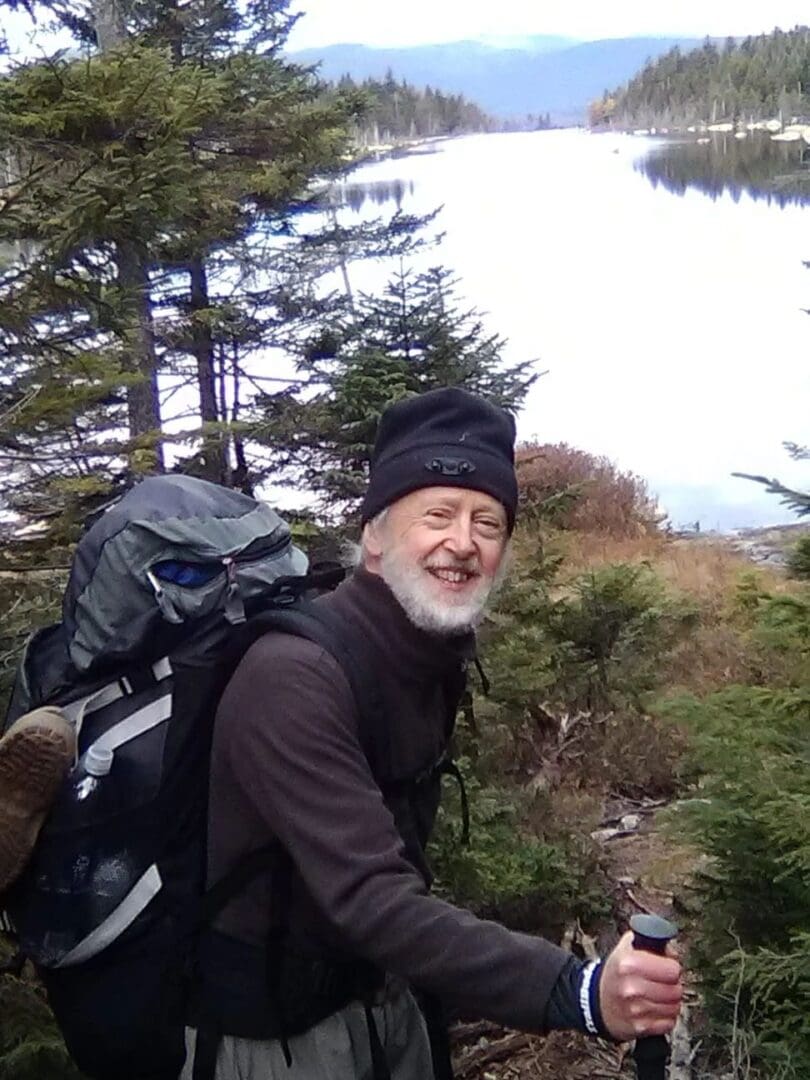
{"x": 751, "y": 78}
{"x": 397, "y": 111}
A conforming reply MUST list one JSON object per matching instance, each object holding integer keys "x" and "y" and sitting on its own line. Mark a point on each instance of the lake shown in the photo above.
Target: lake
{"x": 664, "y": 299}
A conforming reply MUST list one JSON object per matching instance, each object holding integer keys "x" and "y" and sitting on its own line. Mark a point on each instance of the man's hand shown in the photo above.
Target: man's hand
{"x": 639, "y": 993}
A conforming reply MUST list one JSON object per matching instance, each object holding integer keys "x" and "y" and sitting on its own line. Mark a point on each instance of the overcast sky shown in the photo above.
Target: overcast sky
{"x": 414, "y": 22}
{"x": 410, "y": 22}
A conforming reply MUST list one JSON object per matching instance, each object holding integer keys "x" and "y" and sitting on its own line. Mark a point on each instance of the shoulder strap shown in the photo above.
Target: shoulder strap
{"x": 318, "y": 624}
{"x": 314, "y": 623}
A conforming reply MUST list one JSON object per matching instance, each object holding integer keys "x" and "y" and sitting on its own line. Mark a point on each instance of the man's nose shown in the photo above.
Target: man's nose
{"x": 460, "y": 538}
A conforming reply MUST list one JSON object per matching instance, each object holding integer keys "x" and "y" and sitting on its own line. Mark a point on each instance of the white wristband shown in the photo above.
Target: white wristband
{"x": 585, "y": 996}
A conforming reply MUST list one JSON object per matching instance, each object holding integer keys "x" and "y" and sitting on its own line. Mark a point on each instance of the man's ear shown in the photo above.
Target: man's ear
{"x": 371, "y": 540}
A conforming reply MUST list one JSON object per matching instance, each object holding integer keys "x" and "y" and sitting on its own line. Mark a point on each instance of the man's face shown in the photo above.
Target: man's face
{"x": 439, "y": 549}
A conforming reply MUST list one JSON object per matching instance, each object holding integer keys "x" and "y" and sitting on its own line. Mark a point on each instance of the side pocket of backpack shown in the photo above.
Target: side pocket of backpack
{"x": 129, "y": 1030}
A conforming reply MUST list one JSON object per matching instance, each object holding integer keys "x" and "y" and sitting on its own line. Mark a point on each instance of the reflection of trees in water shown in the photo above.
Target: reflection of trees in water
{"x": 778, "y": 172}
{"x": 355, "y": 196}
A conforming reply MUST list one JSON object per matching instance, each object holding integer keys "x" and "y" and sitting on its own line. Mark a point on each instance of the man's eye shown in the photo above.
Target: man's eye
{"x": 489, "y": 524}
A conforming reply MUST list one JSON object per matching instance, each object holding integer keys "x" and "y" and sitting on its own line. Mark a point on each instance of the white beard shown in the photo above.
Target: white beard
{"x": 411, "y": 585}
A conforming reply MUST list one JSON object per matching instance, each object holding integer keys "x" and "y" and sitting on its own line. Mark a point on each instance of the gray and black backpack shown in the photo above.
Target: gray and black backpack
{"x": 167, "y": 590}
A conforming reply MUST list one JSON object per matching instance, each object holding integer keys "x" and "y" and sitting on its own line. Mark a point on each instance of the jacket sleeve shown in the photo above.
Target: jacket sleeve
{"x": 293, "y": 748}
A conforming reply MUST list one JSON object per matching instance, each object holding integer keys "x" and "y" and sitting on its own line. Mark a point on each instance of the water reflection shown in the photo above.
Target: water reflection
{"x": 776, "y": 172}
{"x": 355, "y": 196}
{"x": 672, "y": 328}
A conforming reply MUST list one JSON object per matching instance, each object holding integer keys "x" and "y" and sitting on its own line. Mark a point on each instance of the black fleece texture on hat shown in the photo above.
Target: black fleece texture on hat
{"x": 444, "y": 438}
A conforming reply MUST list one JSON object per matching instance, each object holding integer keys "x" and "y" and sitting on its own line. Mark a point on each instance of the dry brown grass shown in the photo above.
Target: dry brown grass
{"x": 718, "y": 651}
{"x": 708, "y": 571}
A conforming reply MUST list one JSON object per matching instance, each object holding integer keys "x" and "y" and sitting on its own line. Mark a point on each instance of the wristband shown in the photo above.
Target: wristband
{"x": 588, "y": 973}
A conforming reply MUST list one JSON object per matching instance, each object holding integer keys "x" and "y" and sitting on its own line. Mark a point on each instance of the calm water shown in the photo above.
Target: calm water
{"x": 663, "y": 296}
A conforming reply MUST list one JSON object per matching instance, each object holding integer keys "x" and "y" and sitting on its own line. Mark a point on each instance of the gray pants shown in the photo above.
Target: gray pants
{"x": 336, "y": 1049}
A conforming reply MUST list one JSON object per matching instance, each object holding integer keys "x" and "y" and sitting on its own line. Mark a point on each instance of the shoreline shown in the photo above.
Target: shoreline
{"x": 797, "y": 130}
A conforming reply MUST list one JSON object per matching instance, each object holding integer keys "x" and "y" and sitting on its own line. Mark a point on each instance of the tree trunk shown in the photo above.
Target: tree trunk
{"x": 143, "y": 399}
{"x": 109, "y": 17}
{"x": 213, "y": 451}
{"x": 241, "y": 474}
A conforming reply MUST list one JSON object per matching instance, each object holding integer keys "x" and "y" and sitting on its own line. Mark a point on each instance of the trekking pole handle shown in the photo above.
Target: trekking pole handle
{"x": 652, "y": 934}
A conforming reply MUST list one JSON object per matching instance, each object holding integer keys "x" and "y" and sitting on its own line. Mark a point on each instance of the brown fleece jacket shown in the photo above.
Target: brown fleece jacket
{"x": 287, "y": 764}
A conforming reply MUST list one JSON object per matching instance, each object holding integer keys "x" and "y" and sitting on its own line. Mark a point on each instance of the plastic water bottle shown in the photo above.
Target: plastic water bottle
{"x": 82, "y": 866}
{"x": 93, "y": 766}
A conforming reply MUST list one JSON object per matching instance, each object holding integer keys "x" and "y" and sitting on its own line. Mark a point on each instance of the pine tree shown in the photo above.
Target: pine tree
{"x": 189, "y": 146}
{"x": 761, "y": 76}
{"x": 412, "y": 338}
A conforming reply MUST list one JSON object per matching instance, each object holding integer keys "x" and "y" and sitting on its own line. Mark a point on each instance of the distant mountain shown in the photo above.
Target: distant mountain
{"x": 537, "y": 43}
{"x": 539, "y": 76}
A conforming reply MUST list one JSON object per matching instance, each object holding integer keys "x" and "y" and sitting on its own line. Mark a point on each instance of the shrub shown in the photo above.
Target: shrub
{"x": 576, "y": 490}
{"x": 31, "y": 1047}
{"x": 798, "y": 563}
{"x": 610, "y": 631}
{"x": 508, "y": 872}
{"x": 585, "y": 653}
{"x": 749, "y": 748}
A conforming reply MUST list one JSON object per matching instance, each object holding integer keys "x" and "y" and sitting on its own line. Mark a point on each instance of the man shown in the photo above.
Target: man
{"x": 307, "y": 972}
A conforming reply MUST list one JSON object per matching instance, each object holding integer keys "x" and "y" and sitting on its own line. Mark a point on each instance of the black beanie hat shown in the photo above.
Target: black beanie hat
{"x": 444, "y": 438}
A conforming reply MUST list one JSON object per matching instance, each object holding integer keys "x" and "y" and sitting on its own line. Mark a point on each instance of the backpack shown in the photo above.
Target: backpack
{"x": 167, "y": 590}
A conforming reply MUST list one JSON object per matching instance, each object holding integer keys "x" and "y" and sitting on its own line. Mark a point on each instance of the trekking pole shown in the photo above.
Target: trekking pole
{"x": 652, "y": 934}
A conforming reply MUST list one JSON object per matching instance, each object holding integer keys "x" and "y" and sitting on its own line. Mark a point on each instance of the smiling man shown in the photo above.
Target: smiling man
{"x": 313, "y": 970}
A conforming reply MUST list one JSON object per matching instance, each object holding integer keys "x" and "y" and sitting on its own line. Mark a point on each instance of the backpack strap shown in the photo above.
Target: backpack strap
{"x": 318, "y": 624}
{"x": 238, "y": 878}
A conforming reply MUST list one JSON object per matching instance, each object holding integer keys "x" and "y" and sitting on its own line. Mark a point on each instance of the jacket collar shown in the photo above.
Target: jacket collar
{"x": 415, "y": 654}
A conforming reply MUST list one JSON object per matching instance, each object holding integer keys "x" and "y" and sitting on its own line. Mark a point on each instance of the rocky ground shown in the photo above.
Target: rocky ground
{"x": 769, "y": 546}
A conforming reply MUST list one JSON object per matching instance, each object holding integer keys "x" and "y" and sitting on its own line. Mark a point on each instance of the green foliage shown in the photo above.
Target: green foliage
{"x": 749, "y": 752}
{"x": 28, "y": 600}
{"x": 610, "y": 633}
{"x": 760, "y": 76}
{"x": 507, "y": 872}
{"x": 784, "y": 626}
{"x": 396, "y": 110}
{"x": 595, "y": 643}
{"x": 410, "y": 339}
{"x": 31, "y": 1047}
{"x": 799, "y": 560}
{"x": 775, "y": 982}
{"x": 515, "y": 640}
{"x": 144, "y": 183}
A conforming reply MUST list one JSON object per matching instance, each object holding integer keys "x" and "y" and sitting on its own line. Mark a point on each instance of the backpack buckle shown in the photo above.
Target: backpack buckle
{"x": 167, "y": 608}
{"x": 234, "y": 605}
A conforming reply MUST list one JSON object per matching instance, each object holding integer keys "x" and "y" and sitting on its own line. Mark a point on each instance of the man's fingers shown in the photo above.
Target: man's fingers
{"x": 640, "y": 992}
{"x": 659, "y": 969}
{"x": 657, "y": 992}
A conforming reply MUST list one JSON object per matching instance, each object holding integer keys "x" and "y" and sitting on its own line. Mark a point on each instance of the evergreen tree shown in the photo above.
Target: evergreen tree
{"x": 762, "y": 76}
{"x": 151, "y": 193}
{"x": 412, "y": 338}
{"x": 397, "y": 110}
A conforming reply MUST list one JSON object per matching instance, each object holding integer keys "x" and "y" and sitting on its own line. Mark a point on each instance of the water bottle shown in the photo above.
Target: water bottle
{"x": 87, "y": 776}
{"x": 83, "y": 865}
